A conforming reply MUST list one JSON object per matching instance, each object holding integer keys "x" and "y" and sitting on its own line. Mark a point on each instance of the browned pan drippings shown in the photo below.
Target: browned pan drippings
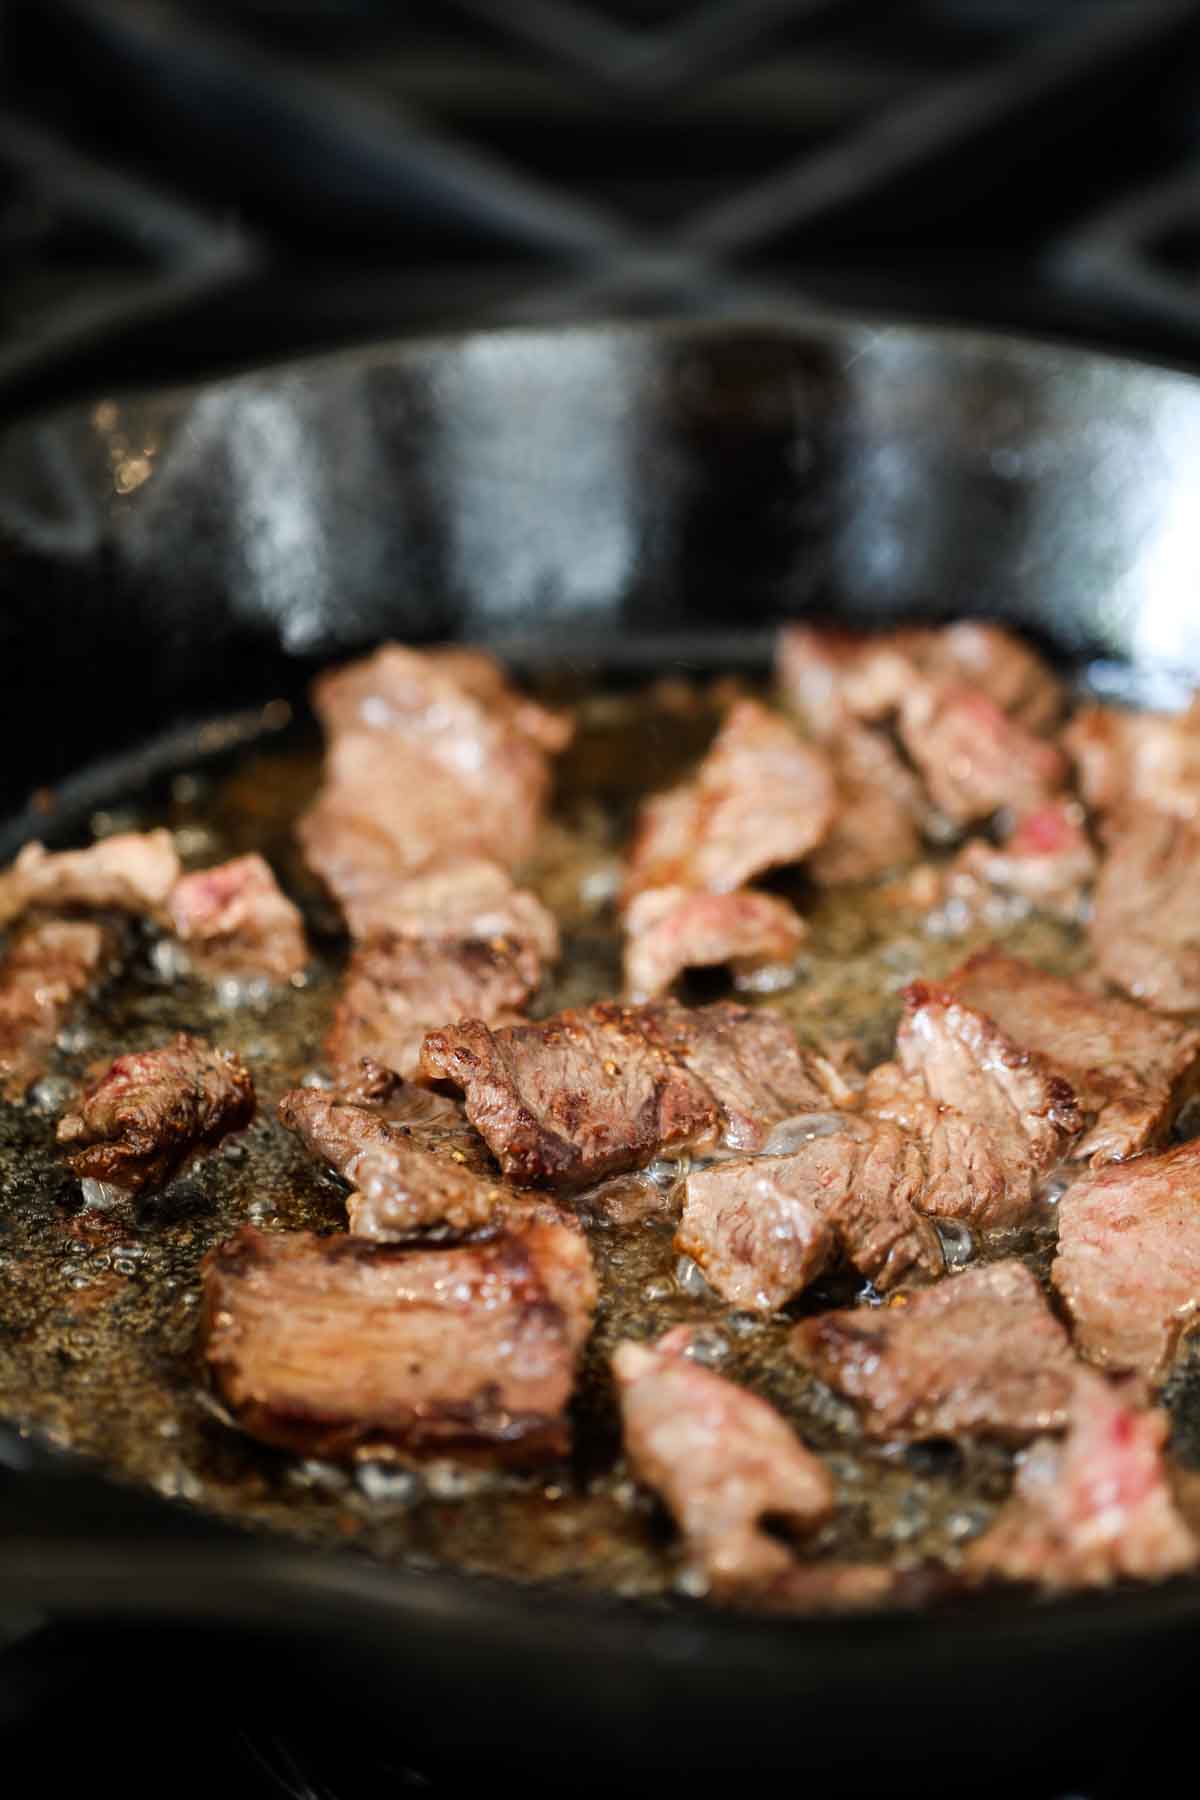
{"x": 98, "y": 1309}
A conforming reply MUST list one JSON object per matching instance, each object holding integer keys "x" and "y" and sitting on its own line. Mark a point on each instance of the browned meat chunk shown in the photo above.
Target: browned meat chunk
{"x": 876, "y": 826}
{"x": 760, "y": 798}
{"x": 979, "y": 1353}
{"x": 455, "y": 900}
{"x": 133, "y": 872}
{"x": 722, "y": 1460}
{"x": 590, "y": 1093}
{"x": 396, "y": 989}
{"x": 1129, "y": 760}
{"x": 47, "y": 967}
{"x": 1000, "y": 1118}
{"x": 671, "y": 929}
{"x": 973, "y": 756}
{"x": 764, "y": 1227}
{"x": 833, "y": 676}
{"x": 151, "y": 1111}
{"x": 1145, "y": 928}
{"x": 1128, "y": 1263}
{"x": 236, "y": 922}
{"x": 1048, "y": 860}
{"x": 405, "y": 1179}
{"x": 432, "y": 757}
{"x": 1094, "y": 1507}
{"x": 336, "y": 1347}
{"x": 1130, "y": 1070}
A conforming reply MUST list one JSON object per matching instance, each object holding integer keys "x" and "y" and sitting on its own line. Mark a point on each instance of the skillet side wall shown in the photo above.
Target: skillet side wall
{"x": 174, "y": 554}
{"x": 622, "y": 496}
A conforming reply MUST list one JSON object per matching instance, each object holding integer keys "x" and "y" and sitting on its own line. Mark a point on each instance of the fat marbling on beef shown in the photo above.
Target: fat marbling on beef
{"x": 152, "y": 1110}
{"x": 722, "y": 1460}
{"x": 1128, "y": 1262}
{"x": 588, "y": 1093}
{"x": 980, "y": 1353}
{"x": 1094, "y": 1507}
{"x": 669, "y": 930}
{"x": 761, "y": 798}
{"x": 333, "y": 1346}
{"x": 48, "y": 966}
{"x": 133, "y": 871}
{"x": 234, "y": 921}
{"x": 763, "y": 1228}
{"x": 1130, "y": 1070}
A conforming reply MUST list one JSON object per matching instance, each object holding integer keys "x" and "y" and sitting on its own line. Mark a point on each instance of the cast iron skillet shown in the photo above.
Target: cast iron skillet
{"x": 616, "y": 497}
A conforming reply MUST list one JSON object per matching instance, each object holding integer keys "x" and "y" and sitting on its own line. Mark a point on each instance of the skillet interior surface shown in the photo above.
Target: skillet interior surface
{"x": 667, "y": 494}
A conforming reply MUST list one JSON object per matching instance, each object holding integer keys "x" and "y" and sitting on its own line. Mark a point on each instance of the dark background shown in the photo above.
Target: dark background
{"x": 187, "y": 187}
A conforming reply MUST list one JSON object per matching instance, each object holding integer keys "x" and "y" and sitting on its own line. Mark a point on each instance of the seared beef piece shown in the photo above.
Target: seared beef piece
{"x": 876, "y": 824}
{"x": 973, "y": 756}
{"x": 334, "y": 1347}
{"x": 1130, "y": 1070}
{"x": 467, "y": 897}
{"x": 669, "y": 930}
{"x": 48, "y": 966}
{"x": 833, "y": 676}
{"x": 760, "y": 798}
{"x": 763, "y": 1228}
{"x": 1145, "y": 927}
{"x": 590, "y": 1093}
{"x": 235, "y": 921}
{"x": 1093, "y": 1508}
{"x": 1048, "y": 859}
{"x": 1126, "y": 761}
{"x": 133, "y": 872}
{"x": 750, "y": 1061}
{"x": 722, "y": 1460}
{"x": 979, "y": 1353}
{"x": 149, "y": 1112}
{"x": 431, "y": 757}
{"x": 406, "y": 1180}
{"x": 999, "y": 1117}
{"x": 1128, "y": 1263}
{"x": 395, "y": 989}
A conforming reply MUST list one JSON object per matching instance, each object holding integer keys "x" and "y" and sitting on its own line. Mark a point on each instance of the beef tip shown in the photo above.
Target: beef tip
{"x": 48, "y": 966}
{"x": 1145, "y": 926}
{"x": 396, "y": 989}
{"x": 750, "y": 1061}
{"x": 574, "y": 1097}
{"x": 335, "y": 1347}
{"x": 151, "y": 1111}
{"x": 590, "y": 1093}
{"x": 1094, "y": 1507}
{"x": 760, "y": 798}
{"x": 876, "y": 826}
{"x": 1128, "y": 1262}
{"x": 671, "y": 929}
{"x": 1126, "y": 761}
{"x": 464, "y": 898}
{"x": 405, "y": 1179}
{"x": 830, "y": 677}
{"x": 431, "y": 756}
{"x": 722, "y": 1460}
{"x": 974, "y": 758}
{"x": 763, "y": 1228}
{"x": 980, "y": 1353}
{"x": 132, "y": 872}
{"x": 235, "y": 921}
{"x": 1131, "y": 1071}
{"x": 1000, "y": 1117}
{"x": 1047, "y": 859}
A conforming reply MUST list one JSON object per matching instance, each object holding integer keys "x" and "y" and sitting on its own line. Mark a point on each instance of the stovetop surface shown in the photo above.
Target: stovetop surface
{"x": 193, "y": 187}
